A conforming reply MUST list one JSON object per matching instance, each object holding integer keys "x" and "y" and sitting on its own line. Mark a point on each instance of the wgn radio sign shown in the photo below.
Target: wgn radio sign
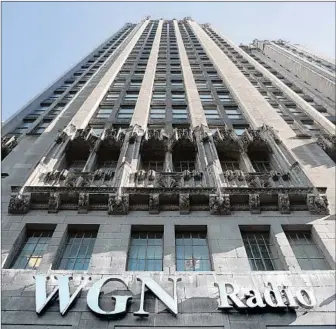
{"x": 230, "y": 295}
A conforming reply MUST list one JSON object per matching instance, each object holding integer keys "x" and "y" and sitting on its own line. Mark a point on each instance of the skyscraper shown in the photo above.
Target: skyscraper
{"x": 172, "y": 161}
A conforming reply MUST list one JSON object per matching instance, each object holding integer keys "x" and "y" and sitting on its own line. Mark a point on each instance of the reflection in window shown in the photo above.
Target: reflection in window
{"x": 32, "y": 250}
{"x": 78, "y": 250}
{"x": 306, "y": 252}
{"x": 259, "y": 251}
{"x": 192, "y": 252}
{"x": 145, "y": 252}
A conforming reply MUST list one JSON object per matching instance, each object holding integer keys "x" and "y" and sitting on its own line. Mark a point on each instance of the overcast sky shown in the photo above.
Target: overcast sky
{"x": 42, "y": 40}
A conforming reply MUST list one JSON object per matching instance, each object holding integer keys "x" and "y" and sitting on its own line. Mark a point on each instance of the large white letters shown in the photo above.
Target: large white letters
{"x": 170, "y": 302}
{"x": 65, "y": 300}
{"x": 93, "y": 298}
{"x": 224, "y": 296}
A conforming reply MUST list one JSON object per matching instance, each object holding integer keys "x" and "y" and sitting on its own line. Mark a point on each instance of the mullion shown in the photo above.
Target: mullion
{"x": 270, "y": 257}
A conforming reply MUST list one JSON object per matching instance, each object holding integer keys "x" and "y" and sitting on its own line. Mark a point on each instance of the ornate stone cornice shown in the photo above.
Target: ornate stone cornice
{"x": 219, "y": 204}
{"x": 222, "y": 135}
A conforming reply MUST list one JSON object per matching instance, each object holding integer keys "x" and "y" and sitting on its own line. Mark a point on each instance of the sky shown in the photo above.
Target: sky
{"x": 43, "y": 40}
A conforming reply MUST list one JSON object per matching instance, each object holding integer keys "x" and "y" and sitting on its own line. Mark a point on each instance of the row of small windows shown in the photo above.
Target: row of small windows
{"x": 59, "y": 94}
{"x": 192, "y": 252}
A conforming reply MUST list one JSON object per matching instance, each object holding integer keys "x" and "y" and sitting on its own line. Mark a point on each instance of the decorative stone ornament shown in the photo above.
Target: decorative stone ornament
{"x": 184, "y": 203}
{"x": 154, "y": 203}
{"x": 254, "y": 203}
{"x": 283, "y": 203}
{"x": 317, "y": 204}
{"x": 19, "y": 204}
{"x": 83, "y": 203}
{"x": 220, "y": 205}
{"x": 118, "y": 205}
{"x": 54, "y": 202}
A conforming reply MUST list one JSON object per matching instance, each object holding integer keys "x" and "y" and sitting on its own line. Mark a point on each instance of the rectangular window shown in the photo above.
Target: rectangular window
{"x": 146, "y": 251}
{"x": 78, "y": 249}
{"x": 230, "y": 165}
{"x": 306, "y": 252}
{"x": 261, "y": 166}
{"x": 125, "y": 112}
{"x": 239, "y": 130}
{"x": 42, "y": 127}
{"x": 153, "y": 165}
{"x": 192, "y": 251}
{"x": 104, "y": 113}
{"x": 260, "y": 251}
{"x": 211, "y": 112}
{"x": 157, "y": 113}
{"x": 180, "y": 166}
{"x": 32, "y": 250}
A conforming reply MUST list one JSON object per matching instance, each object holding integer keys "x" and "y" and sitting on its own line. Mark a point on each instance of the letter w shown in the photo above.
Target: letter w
{"x": 65, "y": 300}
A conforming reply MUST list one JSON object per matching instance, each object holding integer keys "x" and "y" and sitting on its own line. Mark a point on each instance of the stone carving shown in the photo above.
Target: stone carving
{"x": 197, "y": 175}
{"x": 68, "y": 131}
{"x": 226, "y": 206}
{"x": 114, "y": 136}
{"x": 224, "y": 134}
{"x": 254, "y": 203}
{"x": 154, "y": 203}
{"x": 229, "y": 175}
{"x": 98, "y": 174}
{"x": 140, "y": 175}
{"x": 154, "y": 134}
{"x": 252, "y": 180}
{"x": 184, "y": 203}
{"x": 168, "y": 181}
{"x": 283, "y": 203}
{"x": 187, "y": 175}
{"x": 317, "y": 204}
{"x": 83, "y": 203}
{"x": 136, "y": 131}
{"x": 239, "y": 174}
{"x": 19, "y": 203}
{"x": 215, "y": 204}
{"x": 7, "y": 145}
{"x": 54, "y": 202}
{"x": 327, "y": 142}
{"x": 183, "y": 134}
{"x": 204, "y": 133}
{"x": 118, "y": 205}
{"x": 151, "y": 175}
{"x": 286, "y": 176}
{"x": 275, "y": 175}
{"x": 55, "y": 176}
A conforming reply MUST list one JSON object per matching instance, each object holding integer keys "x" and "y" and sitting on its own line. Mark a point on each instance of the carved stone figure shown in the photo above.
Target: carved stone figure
{"x": 151, "y": 175}
{"x": 154, "y": 203}
{"x": 54, "y": 202}
{"x": 226, "y": 206}
{"x": 140, "y": 175}
{"x": 118, "y": 205}
{"x": 283, "y": 203}
{"x": 254, "y": 203}
{"x": 83, "y": 203}
{"x": 184, "y": 202}
{"x": 215, "y": 204}
{"x": 317, "y": 204}
{"x": 19, "y": 203}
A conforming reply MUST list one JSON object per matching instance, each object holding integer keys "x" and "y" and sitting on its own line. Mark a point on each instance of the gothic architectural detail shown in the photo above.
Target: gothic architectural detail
{"x": 215, "y": 204}
{"x": 204, "y": 133}
{"x": 151, "y": 175}
{"x": 114, "y": 137}
{"x": 83, "y": 203}
{"x": 154, "y": 203}
{"x": 169, "y": 180}
{"x": 155, "y": 135}
{"x": 184, "y": 203}
{"x": 136, "y": 132}
{"x": 7, "y": 145}
{"x": 54, "y": 202}
{"x": 258, "y": 180}
{"x": 225, "y": 135}
{"x": 284, "y": 204}
{"x": 226, "y": 206}
{"x": 183, "y": 134}
{"x": 19, "y": 204}
{"x": 317, "y": 204}
{"x": 68, "y": 132}
{"x": 254, "y": 203}
{"x": 140, "y": 176}
{"x": 118, "y": 205}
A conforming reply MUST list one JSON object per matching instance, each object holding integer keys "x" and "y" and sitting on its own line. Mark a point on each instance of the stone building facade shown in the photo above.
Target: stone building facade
{"x": 172, "y": 161}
